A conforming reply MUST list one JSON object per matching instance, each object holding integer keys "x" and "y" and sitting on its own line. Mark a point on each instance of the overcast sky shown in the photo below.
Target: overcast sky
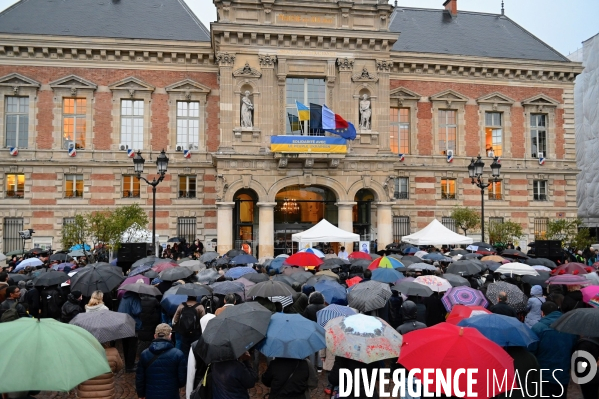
{"x": 562, "y": 24}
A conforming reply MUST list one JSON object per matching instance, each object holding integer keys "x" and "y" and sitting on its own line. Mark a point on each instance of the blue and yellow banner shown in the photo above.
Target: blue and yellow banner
{"x": 308, "y": 144}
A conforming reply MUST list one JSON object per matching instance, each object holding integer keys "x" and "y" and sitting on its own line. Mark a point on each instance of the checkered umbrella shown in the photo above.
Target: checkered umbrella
{"x": 369, "y": 295}
{"x": 515, "y": 297}
{"x": 463, "y": 296}
{"x": 106, "y": 325}
{"x": 330, "y": 312}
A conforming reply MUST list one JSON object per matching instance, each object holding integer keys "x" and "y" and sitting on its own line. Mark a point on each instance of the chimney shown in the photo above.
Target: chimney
{"x": 452, "y": 7}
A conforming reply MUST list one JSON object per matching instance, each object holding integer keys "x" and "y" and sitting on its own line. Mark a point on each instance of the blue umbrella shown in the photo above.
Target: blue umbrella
{"x": 114, "y": 262}
{"x": 503, "y": 330}
{"x": 410, "y": 250}
{"x": 171, "y": 303}
{"x": 243, "y": 260}
{"x": 79, "y": 246}
{"x": 276, "y": 264}
{"x": 237, "y": 272}
{"x": 61, "y": 266}
{"x": 292, "y": 336}
{"x": 434, "y": 256}
{"x": 385, "y": 275}
{"x": 139, "y": 270}
{"x": 330, "y": 312}
{"x": 332, "y": 291}
{"x": 228, "y": 287}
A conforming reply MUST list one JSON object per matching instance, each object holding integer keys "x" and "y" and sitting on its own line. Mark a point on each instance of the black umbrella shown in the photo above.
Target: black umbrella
{"x": 407, "y": 260}
{"x": 53, "y": 277}
{"x": 207, "y": 276}
{"x": 96, "y": 278}
{"x": 455, "y": 280}
{"x": 583, "y": 322}
{"x": 540, "y": 262}
{"x": 175, "y": 273}
{"x": 301, "y": 277}
{"x": 335, "y": 261}
{"x": 541, "y": 279}
{"x": 363, "y": 263}
{"x": 150, "y": 260}
{"x": 464, "y": 268}
{"x": 315, "y": 279}
{"x": 61, "y": 256}
{"x": 514, "y": 253}
{"x": 19, "y": 277}
{"x": 410, "y": 288}
{"x": 36, "y": 251}
{"x": 285, "y": 279}
{"x": 222, "y": 261}
{"x": 141, "y": 289}
{"x": 233, "y": 332}
{"x": 234, "y": 252}
{"x": 455, "y": 252}
{"x": 471, "y": 256}
{"x": 480, "y": 244}
{"x": 270, "y": 288}
{"x": 176, "y": 239}
{"x": 190, "y": 289}
{"x": 228, "y": 287}
{"x": 209, "y": 256}
{"x": 151, "y": 274}
{"x": 256, "y": 278}
{"x": 492, "y": 265}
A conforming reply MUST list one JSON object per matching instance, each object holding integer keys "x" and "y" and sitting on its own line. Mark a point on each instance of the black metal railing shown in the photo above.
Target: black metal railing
{"x": 540, "y": 197}
{"x": 400, "y": 195}
{"x": 187, "y": 194}
{"x": 495, "y": 196}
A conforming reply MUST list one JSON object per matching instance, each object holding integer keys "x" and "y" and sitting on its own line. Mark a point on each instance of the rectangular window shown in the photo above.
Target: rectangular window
{"x": 448, "y": 189}
{"x": 188, "y": 124}
{"x": 305, "y": 91}
{"x": 44, "y": 243}
{"x": 539, "y": 188}
{"x": 541, "y": 228}
{"x": 493, "y": 134}
{"x": 186, "y": 228}
{"x": 187, "y": 186}
{"x": 17, "y": 121}
{"x": 132, "y": 123}
{"x": 449, "y": 222}
{"x": 448, "y": 129}
{"x": 66, "y": 221}
{"x": 399, "y": 134}
{"x": 538, "y": 135}
{"x": 73, "y": 122}
{"x": 131, "y": 185}
{"x": 495, "y": 190}
{"x": 12, "y": 240}
{"x": 15, "y": 185}
{"x": 401, "y": 188}
{"x": 73, "y": 186}
{"x": 401, "y": 227}
{"x": 496, "y": 220}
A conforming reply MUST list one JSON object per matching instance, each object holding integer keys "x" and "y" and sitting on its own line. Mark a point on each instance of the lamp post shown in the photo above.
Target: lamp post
{"x": 475, "y": 172}
{"x": 161, "y": 165}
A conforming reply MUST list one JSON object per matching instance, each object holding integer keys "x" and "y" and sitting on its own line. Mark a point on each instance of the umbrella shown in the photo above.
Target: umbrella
{"x": 303, "y": 259}
{"x": 541, "y": 279}
{"x": 503, "y": 330}
{"x": 301, "y": 277}
{"x": 19, "y": 277}
{"x": 33, "y": 262}
{"x": 386, "y": 262}
{"x": 572, "y": 268}
{"x": 141, "y": 288}
{"x": 270, "y": 288}
{"x": 207, "y": 276}
{"x": 324, "y": 315}
{"x": 151, "y": 274}
{"x": 132, "y": 280}
{"x": 276, "y": 264}
{"x": 150, "y": 260}
{"x": 92, "y": 278}
{"x": 36, "y": 251}
{"x": 583, "y": 322}
{"x": 194, "y": 265}
{"x": 16, "y": 252}
{"x": 228, "y": 287}
{"x": 463, "y": 296}
{"x": 256, "y": 277}
{"x": 434, "y": 256}
{"x": 160, "y": 267}
{"x": 420, "y": 254}
{"x": 363, "y": 263}
{"x": 328, "y": 266}
{"x": 369, "y": 295}
{"x": 170, "y": 303}
{"x": 265, "y": 260}
{"x": 455, "y": 280}
{"x": 445, "y": 346}
{"x": 222, "y": 261}
{"x": 333, "y": 292}
{"x": 328, "y": 273}
{"x": 176, "y": 239}
{"x": 61, "y": 256}
{"x": 515, "y": 297}
{"x": 139, "y": 270}
{"x": 589, "y": 292}
{"x": 541, "y": 262}
{"x": 106, "y": 325}
{"x": 282, "y": 256}
{"x": 492, "y": 265}
{"x": 114, "y": 262}
{"x": 243, "y": 259}
{"x": 516, "y": 268}
{"x": 568, "y": 279}
{"x": 77, "y": 253}
{"x": 421, "y": 266}
{"x": 363, "y": 338}
{"x": 386, "y": 275}
{"x": 542, "y": 268}
{"x": 464, "y": 268}
{"x": 47, "y": 340}
{"x": 359, "y": 255}
{"x": 461, "y": 312}
{"x": 292, "y": 336}
{"x": 314, "y": 251}
{"x": 233, "y": 332}
{"x": 209, "y": 256}
{"x": 482, "y": 245}
{"x": 594, "y": 302}
{"x": 189, "y": 289}
{"x": 472, "y": 256}
{"x": 353, "y": 281}
{"x": 234, "y": 252}
{"x": 80, "y": 247}
{"x": 246, "y": 283}
{"x": 336, "y": 261}
{"x": 323, "y": 277}
{"x": 175, "y": 273}
{"x": 514, "y": 253}
{"x": 437, "y": 284}
{"x": 455, "y": 252}
{"x": 494, "y": 258}
{"x": 411, "y": 250}
{"x": 410, "y": 288}
{"x": 236, "y": 272}
{"x": 61, "y": 266}
{"x": 52, "y": 277}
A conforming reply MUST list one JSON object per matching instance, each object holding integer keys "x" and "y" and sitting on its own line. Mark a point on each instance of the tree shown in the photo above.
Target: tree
{"x": 570, "y": 232}
{"x": 75, "y": 233}
{"x": 128, "y": 218}
{"x": 502, "y": 233}
{"x": 465, "y": 218}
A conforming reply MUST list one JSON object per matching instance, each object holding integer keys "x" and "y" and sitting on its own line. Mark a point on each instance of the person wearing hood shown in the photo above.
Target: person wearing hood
{"x": 72, "y": 307}
{"x": 162, "y": 368}
{"x": 196, "y": 367}
{"x": 409, "y": 314}
{"x": 533, "y": 306}
{"x": 300, "y": 301}
{"x": 573, "y": 299}
{"x": 96, "y": 302}
{"x": 315, "y": 303}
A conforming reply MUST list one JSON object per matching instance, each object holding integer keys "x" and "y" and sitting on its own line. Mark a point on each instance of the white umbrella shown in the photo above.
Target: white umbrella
{"x": 539, "y": 267}
{"x": 517, "y": 268}
{"x": 593, "y": 277}
{"x": 437, "y": 284}
{"x": 283, "y": 256}
{"x": 420, "y": 254}
{"x": 314, "y": 251}
{"x": 33, "y": 262}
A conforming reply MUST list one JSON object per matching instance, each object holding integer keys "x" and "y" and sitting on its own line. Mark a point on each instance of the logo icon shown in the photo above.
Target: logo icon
{"x": 581, "y": 363}
{"x": 14, "y": 151}
{"x": 186, "y": 154}
{"x": 401, "y": 157}
{"x": 130, "y": 153}
{"x": 72, "y": 152}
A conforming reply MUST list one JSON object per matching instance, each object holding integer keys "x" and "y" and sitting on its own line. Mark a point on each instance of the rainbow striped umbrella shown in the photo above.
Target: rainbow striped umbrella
{"x": 386, "y": 262}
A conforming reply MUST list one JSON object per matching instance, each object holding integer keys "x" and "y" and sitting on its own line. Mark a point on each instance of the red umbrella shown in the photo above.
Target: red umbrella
{"x": 359, "y": 255}
{"x": 445, "y": 346}
{"x": 571, "y": 268}
{"x": 568, "y": 279}
{"x": 461, "y": 312}
{"x": 353, "y": 281}
{"x": 163, "y": 266}
{"x": 303, "y": 259}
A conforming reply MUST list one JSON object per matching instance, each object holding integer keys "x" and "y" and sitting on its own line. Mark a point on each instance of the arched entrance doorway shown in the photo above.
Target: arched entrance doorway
{"x": 362, "y": 214}
{"x": 297, "y": 209}
{"x": 245, "y": 219}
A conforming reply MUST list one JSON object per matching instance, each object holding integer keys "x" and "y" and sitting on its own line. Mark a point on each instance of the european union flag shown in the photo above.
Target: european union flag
{"x": 348, "y": 133}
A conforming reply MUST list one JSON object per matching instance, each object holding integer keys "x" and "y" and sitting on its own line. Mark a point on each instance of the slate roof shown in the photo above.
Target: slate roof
{"x": 469, "y": 33}
{"x": 123, "y": 19}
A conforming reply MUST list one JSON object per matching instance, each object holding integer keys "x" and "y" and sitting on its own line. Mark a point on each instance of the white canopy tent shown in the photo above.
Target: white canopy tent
{"x": 436, "y": 234}
{"x": 324, "y": 231}
{"x": 137, "y": 234}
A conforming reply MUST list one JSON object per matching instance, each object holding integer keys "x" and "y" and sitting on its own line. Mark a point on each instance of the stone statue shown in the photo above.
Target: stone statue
{"x": 365, "y": 113}
{"x": 246, "y": 110}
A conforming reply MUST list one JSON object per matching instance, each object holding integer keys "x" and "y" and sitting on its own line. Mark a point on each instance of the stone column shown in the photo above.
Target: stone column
{"x": 227, "y": 118}
{"x": 346, "y": 66}
{"x": 267, "y": 229}
{"x": 346, "y": 221}
{"x": 380, "y": 120}
{"x": 384, "y": 222}
{"x": 269, "y": 85}
{"x": 224, "y": 226}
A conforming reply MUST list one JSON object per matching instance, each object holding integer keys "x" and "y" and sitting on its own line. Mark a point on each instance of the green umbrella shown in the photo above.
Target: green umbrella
{"x": 17, "y": 252}
{"x": 59, "y": 356}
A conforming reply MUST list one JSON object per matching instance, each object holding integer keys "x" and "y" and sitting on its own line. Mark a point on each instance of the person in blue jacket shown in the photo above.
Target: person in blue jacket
{"x": 131, "y": 305}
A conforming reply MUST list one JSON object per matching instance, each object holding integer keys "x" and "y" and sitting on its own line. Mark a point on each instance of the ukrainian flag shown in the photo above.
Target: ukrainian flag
{"x": 303, "y": 112}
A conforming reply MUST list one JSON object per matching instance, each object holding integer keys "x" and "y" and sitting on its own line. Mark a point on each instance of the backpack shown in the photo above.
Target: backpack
{"x": 189, "y": 322}
{"x": 52, "y": 299}
{"x": 10, "y": 314}
{"x": 204, "y": 389}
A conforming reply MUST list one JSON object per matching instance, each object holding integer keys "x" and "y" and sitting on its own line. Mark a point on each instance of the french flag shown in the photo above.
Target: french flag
{"x": 72, "y": 152}
{"x": 402, "y": 157}
{"x": 130, "y": 153}
{"x": 186, "y": 154}
{"x": 332, "y": 122}
{"x": 450, "y": 157}
{"x": 14, "y": 151}
{"x": 542, "y": 161}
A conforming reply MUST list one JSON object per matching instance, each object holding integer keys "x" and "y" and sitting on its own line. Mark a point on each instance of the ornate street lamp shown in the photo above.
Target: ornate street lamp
{"x": 475, "y": 172}
{"x": 162, "y": 166}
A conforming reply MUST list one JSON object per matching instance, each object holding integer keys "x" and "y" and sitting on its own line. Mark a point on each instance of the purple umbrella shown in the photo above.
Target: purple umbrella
{"x": 568, "y": 279}
{"x": 131, "y": 280}
{"x": 61, "y": 266}
{"x": 463, "y": 296}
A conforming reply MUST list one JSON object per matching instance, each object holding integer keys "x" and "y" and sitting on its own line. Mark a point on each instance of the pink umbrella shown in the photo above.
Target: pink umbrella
{"x": 163, "y": 266}
{"x": 589, "y": 292}
{"x": 132, "y": 280}
{"x": 568, "y": 279}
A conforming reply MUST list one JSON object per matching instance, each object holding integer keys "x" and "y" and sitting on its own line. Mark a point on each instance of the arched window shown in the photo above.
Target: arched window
{"x": 362, "y": 213}
{"x": 245, "y": 219}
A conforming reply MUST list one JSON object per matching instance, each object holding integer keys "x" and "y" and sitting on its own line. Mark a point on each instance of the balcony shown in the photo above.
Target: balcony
{"x": 400, "y": 195}
{"x": 448, "y": 196}
{"x": 74, "y": 194}
{"x": 130, "y": 194}
{"x": 495, "y": 196}
{"x": 187, "y": 194}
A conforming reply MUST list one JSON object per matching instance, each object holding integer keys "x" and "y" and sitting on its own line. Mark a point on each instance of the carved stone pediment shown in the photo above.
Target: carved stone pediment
{"x": 247, "y": 71}
{"x": 187, "y": 86}
{"x": 449, "y": 96}
{"x": 402, "y": 94}
{"x": 495, "y": 98}
{"x": 542, "y": 100}
{"x": 17, "y": 81}
{"x": 364, "y": 76}
{"x": 74, "y": 83}
{"x": 131, "y": 84}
